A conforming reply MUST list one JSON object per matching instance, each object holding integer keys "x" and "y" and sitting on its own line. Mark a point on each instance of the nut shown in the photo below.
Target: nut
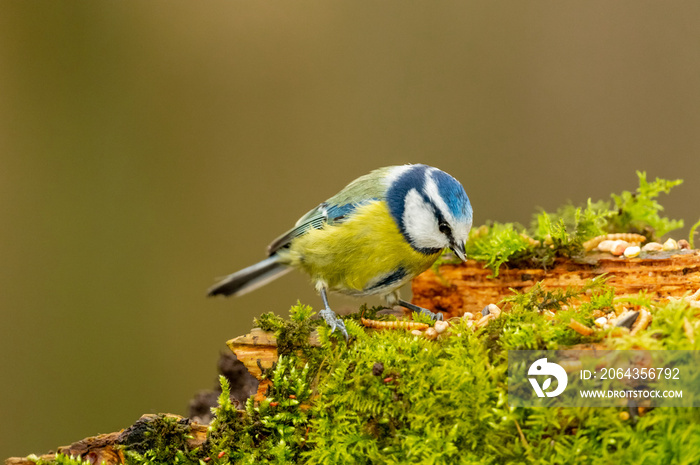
{"x": 441, "y": 326}
{"x": 670, "y": 245}
{"x": 632, "y": 251}
{"x": 652, "y": 247}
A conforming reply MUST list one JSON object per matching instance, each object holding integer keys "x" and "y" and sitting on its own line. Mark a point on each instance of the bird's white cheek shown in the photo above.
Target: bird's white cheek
{"x": 462, "y": 232}
{"x": 419, "y": 221}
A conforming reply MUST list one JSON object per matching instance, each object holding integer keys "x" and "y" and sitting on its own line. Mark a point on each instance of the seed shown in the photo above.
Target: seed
{"x": 600, "y": 322}
{"x": 605, "y": 246}
{"x": 468, "y": 316}
{"x": 441, "y": 326}
{"x": 597, "y": 313}
{"x": 633, "y": 251}
{"x": 492, "y": 310}
{"x": 619, "y": 248}
{"x": 484, "y": 320}
{"x": 670, "y": 245}
{"x": 417, "y": 332}
{"x": 652, "y": 247}
{"x": 430, "y": 333}
{"x": 626, "y": 321}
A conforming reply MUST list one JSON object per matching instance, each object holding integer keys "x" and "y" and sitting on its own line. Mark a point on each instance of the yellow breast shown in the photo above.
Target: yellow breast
{"x": 360, "y": 254}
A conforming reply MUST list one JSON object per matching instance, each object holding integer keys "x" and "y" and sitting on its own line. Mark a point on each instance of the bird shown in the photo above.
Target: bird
{"x": 371, "y": 238}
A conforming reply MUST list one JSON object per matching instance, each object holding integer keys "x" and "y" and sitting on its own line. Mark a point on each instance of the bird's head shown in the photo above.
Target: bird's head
{"x": 431, "y": 208}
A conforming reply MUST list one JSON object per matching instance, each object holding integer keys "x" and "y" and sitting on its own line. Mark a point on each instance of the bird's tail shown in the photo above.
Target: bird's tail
{"x": 248, "y": 279}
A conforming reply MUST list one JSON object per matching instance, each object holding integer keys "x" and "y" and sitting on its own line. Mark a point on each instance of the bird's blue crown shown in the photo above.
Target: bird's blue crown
{"x": 416, "y": 177}
{"x": 435, "y": 198}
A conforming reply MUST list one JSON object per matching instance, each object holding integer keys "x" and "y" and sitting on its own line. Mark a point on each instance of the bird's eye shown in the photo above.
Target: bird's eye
{"x": 444, "y": 228}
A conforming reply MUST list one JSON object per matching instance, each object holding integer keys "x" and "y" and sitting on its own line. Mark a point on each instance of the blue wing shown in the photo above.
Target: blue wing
{"x": 338, "y": 208}
{"x": 317, "y": 218}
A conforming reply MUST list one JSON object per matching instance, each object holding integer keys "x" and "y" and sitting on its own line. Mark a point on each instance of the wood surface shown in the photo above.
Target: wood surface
{"x": 469, "y": 287}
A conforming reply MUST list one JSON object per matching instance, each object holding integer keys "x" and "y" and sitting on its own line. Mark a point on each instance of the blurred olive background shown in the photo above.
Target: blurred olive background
{"x": 149, "y": 147}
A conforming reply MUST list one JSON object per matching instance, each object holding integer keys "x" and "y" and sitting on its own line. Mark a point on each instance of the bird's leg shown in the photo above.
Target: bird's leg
{"x": 416, "y": 308}
{"x": 331, "y": 318}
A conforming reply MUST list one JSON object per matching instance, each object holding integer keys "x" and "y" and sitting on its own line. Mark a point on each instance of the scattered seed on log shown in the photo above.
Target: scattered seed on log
{"x": 629, "y": 237}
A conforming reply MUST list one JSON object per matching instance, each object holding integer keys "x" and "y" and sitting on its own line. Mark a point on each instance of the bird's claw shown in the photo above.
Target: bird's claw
{"x": 436, "y": 316}
{"x": 334, "y": 322}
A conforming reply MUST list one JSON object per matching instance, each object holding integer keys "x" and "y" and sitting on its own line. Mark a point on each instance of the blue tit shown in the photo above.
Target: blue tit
{"x": 372, "y": 237}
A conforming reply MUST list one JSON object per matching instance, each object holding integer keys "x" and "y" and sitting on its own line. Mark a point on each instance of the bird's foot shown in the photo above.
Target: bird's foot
{"x": 437, "y": 316}
{"x": 334, "y": 321}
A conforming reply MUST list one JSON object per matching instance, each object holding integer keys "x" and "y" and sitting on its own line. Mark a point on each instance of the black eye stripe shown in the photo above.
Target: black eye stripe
{"x": 444, "y": 227}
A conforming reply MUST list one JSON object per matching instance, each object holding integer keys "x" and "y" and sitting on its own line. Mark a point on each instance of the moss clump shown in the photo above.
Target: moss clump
{"x": 563, "y": 232}
{"x": 293, "y": 334}
{"x": 60, "y": 459}
{"x": 272, "y": 431}
{"x": 523, "y": 328}
{"x": 164, "y": 441}
{"x": 391, "y": 397}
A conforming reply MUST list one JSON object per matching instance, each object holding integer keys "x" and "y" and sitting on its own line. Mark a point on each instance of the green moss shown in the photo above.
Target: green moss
{"x": 691, "y": 234}
{"x": 163, "y": 441}
{"x": 293, "y": 334}
{"x": 272, "y": 431}
{"x": 60, "y": 459}
{"x": 639, "y": 211}
{"x": 391, "y": 397}
{"x": 496, "y": 244}
{"x": 563, "y": 232}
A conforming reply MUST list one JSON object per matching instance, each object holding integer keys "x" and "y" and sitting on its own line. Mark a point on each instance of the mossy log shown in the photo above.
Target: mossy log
{"x": 457, "y": 288}
{"x": 106, "y": 448}
{"x": 469, "y": 287}
{"x": 258, "y": 351}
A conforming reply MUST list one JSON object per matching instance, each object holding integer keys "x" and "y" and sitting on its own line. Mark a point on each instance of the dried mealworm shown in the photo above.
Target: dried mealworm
{"x": 395, "y": 324}
{"x": 688, "y": 328}
{"x": 580, "y": 328}
{"x": 642, "y": 322}
{"x": 628, "y": 237}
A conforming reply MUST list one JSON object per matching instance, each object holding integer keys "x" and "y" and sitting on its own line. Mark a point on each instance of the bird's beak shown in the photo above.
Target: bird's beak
{"x": 458, "y": 250}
